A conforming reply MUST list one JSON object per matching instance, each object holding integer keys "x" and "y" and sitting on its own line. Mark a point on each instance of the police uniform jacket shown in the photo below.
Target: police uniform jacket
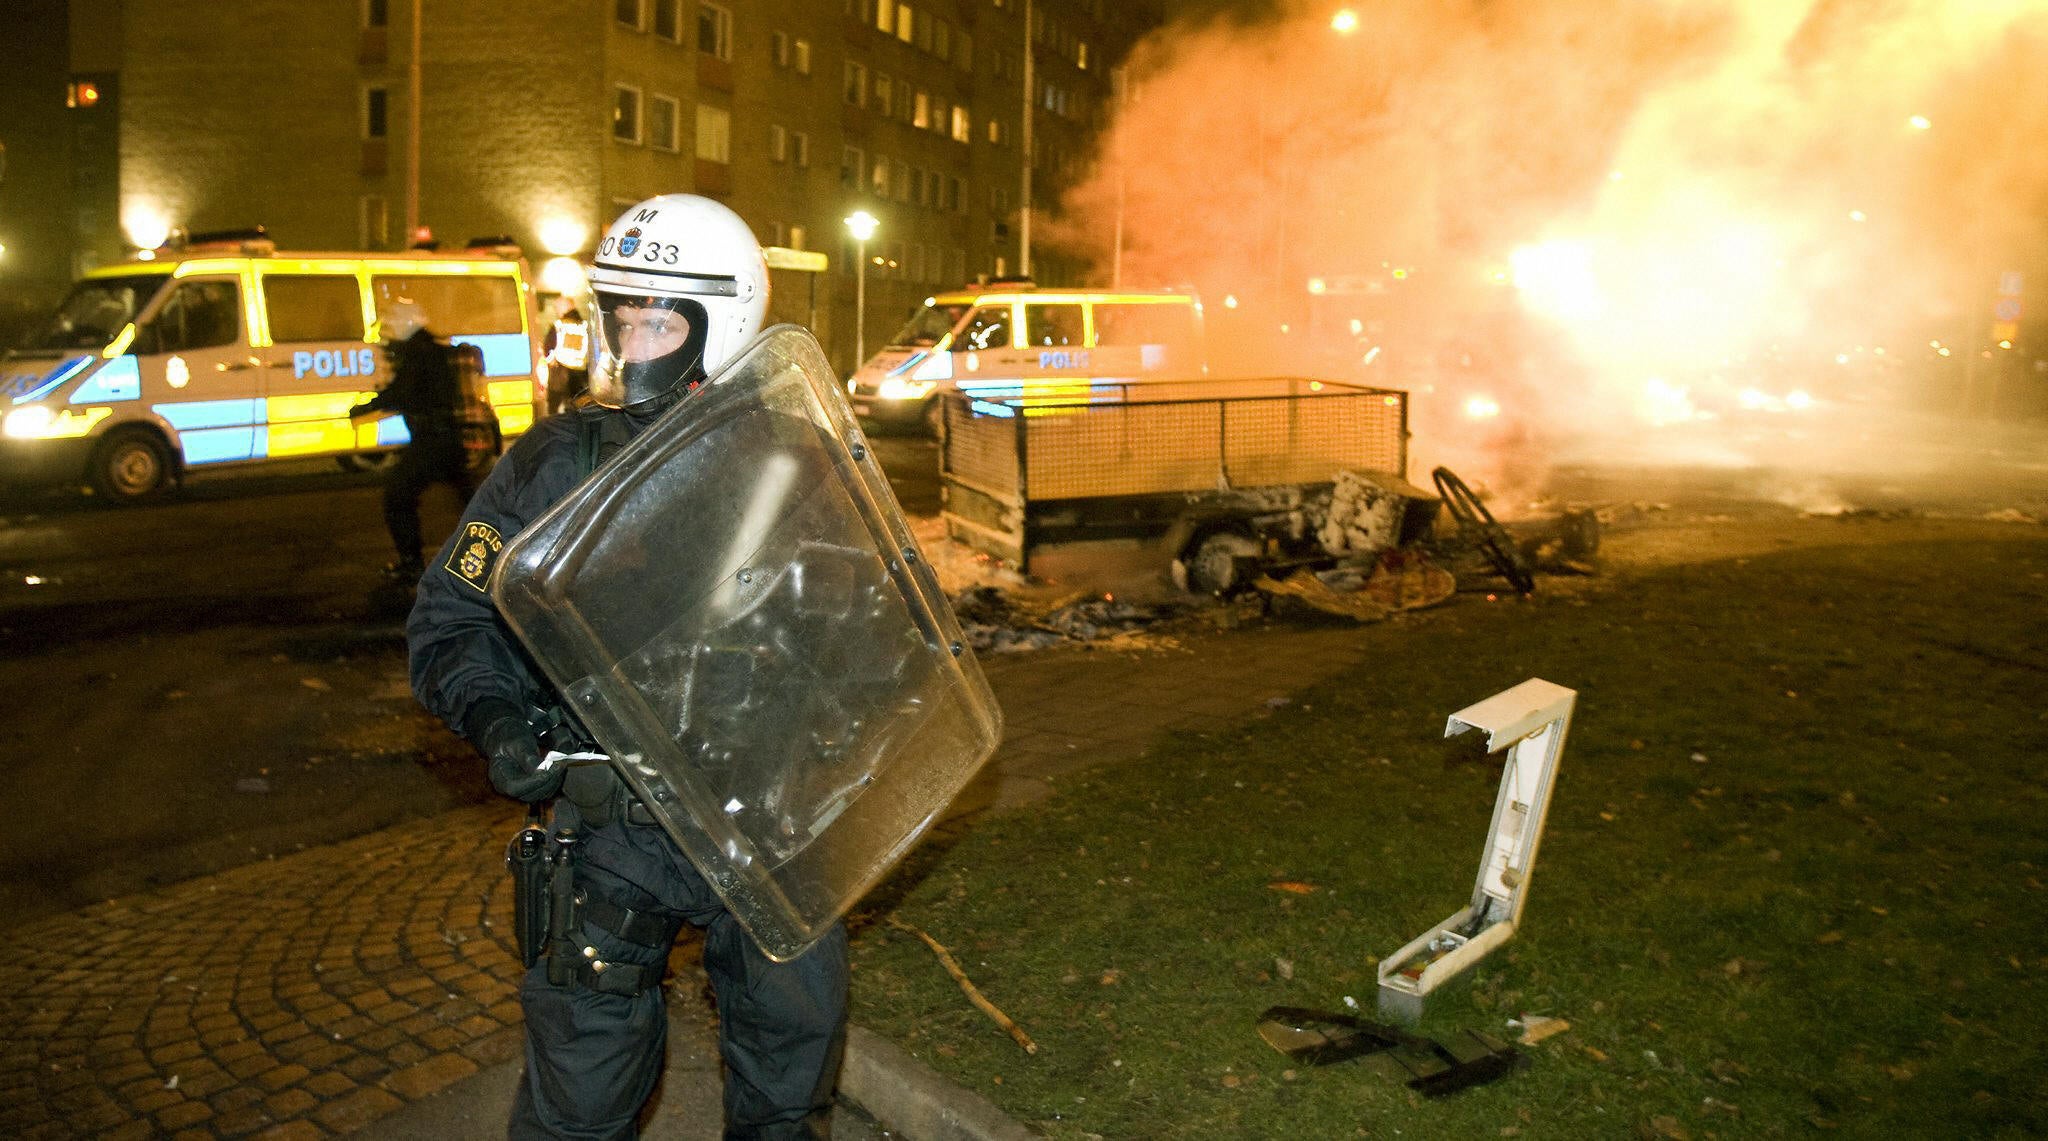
{"x": 461, "y": 651}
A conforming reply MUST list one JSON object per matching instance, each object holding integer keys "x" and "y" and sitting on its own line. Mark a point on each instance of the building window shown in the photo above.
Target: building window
{"x": 664, "y": 116}
{"x": 878, "y": 181}
{"x": 885, "y": 13}
{"x": 668, "y": 20}
{"x": 800, "y": 148}
{"x": 963, "y": 51}
{"x": 959, "y": 203}
{"x": 376, "y": 113}
{"x": 884, "y": 92}
{"x": 995, "y": 131}
{"x": 714, "y": 133}
{"x": 376, "y": 13}
{"x": 375, "y": 218}
{"x": 899, "y": 177}
{"x": 1081, "y": 55}
{"x": 802, "y": 59}
{"x": 856, "y": 83}
{"x": 714, "y": 31}
{"x": 942, "y": 39}
{"x": 963, "y": 126}
{"x": 904, "y": 31}
{"x": 629, "y": 13}
{"x": 778, "y": 48}
{"x": 851, "y": 162}
{"x": 778, "y": 143}
{"x": 626, "y": 114}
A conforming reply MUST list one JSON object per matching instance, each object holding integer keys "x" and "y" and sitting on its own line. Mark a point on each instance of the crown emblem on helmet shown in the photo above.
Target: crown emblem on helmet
{"x": 629, "y": 241}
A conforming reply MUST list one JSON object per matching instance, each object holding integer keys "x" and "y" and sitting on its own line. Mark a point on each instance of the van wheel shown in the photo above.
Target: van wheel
{"x": 367, "y": 461}
{"x": 131, "y": 466}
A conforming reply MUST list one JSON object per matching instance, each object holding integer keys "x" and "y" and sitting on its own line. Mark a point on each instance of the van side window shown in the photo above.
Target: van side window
{"x": 455, "y": 306}
{"x": 1053, "y": 325}
{"x": 306, "y": 308}
{"x": 1156, "y": 324}
{"x": 989, "y": 328}
{"x": 199, "y": 315}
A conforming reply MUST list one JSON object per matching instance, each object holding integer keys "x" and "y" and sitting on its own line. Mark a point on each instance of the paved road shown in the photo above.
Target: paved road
{"x": 201, "y": 683}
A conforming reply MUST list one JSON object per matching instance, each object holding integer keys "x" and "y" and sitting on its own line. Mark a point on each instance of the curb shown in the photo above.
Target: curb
{"x": 910, "y": 1098}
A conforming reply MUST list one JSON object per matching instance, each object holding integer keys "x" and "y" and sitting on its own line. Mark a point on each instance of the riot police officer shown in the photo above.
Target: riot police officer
{"x": 567, "y": 347}
{"x": 679, "y": 287}
{"x": 426, "y": 391}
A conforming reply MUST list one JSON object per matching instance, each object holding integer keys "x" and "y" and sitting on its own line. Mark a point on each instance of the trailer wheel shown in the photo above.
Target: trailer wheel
{"x": 1220, "y": 562}
{"x": 1477, "y": 523}
{"x": 132, "y": 465}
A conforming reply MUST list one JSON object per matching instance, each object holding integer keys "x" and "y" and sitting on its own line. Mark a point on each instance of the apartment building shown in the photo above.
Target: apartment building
{"x": 541, "y": 119}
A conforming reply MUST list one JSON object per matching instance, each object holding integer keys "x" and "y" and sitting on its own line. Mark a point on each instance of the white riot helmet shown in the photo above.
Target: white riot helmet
{"x": 401, "y": 318}
{"x": 680, "y": 287}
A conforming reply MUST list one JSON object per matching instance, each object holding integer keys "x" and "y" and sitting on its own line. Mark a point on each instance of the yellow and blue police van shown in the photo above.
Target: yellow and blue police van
{"x": 230, "y": 353}
{"x": 1015, "y": 339}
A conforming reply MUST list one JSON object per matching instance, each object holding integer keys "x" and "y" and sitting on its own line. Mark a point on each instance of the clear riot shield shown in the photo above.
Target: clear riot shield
{"x": 736, "y": 609}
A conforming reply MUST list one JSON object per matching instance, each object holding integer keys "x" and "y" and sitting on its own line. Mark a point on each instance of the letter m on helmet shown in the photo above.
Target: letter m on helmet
{"x": 645, "y": 215}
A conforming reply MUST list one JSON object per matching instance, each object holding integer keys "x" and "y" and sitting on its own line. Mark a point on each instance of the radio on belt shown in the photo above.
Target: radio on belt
{"x": 1530, "y": 721}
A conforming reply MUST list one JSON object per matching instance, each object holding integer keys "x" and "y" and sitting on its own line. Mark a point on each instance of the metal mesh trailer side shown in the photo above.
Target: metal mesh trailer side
{"x": 1017, "y": 467}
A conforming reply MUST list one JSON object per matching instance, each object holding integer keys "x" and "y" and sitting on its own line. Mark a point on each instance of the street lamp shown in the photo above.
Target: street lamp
{"x": 861, "y": 225}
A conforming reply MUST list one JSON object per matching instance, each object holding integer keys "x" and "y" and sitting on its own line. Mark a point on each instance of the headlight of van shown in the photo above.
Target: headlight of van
{"x": 41, "y": 422}
{"x": 897, "y": 388}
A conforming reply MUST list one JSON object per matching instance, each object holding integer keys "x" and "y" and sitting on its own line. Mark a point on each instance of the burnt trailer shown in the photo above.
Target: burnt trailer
{"x": 1214, "y": 478}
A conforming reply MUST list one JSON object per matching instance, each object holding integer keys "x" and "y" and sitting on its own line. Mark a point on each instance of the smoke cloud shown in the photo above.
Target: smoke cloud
{"x": 1574, "y": 229}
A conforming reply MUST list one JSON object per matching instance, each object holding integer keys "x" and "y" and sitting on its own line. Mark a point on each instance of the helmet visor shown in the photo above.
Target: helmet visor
{"x": 647, "y": 348}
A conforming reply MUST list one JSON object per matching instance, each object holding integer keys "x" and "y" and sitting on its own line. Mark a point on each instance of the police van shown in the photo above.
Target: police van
{"x": 227, "y": 353}
{"x": 1014, "y": 339}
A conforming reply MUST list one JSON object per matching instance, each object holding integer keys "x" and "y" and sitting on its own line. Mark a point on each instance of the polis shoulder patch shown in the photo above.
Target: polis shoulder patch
{"x": 474, "y": 554}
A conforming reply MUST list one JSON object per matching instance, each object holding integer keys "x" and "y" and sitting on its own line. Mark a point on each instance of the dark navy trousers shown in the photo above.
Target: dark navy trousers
{"x": 592, "y": 1059}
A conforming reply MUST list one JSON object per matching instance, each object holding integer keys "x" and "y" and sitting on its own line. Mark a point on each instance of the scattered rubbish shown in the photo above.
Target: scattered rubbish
{"x": 995, "y": 622}
{"x": 1537, "y": 1027}
{"x": 1430, "y": 1067}
{"x": 252, "y": 784}
{"x": 973, "y": 993}
{"x": 1305, "y": 585}
{"x": 172, "y": 1082}
{"x": 1293, "y": 887}
{"x": 1566, "y": 544}
{"x": 315, "y": 683}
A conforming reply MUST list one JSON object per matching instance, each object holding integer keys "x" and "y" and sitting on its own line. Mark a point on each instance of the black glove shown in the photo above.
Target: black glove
{"x": 502, "y": 735}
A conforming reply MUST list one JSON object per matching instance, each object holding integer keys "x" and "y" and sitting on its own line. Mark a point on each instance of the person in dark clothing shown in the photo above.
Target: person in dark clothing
{"x": 426, "y": 391}
{"x": 680, "y": 288}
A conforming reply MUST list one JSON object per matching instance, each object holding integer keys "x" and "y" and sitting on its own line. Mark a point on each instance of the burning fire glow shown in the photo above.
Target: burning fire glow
{"x": 1604, "y": 216}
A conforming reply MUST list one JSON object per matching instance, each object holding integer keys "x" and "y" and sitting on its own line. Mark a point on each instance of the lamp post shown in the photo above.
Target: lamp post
{"x": 861, "y": 225}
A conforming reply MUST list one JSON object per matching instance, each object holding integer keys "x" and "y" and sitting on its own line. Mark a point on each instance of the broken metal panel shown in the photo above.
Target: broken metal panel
{"x": 1530, "y": 721}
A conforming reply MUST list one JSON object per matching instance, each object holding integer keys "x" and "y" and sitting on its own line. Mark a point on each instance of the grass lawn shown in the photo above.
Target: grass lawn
{"x": 1792, "y": 881}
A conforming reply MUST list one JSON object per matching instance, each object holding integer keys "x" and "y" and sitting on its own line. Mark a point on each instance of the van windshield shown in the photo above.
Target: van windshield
{"x": 94, "y": 311}
{"x": 925, "y": 329}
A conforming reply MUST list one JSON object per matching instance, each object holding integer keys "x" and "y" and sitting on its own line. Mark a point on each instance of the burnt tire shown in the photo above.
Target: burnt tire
{"x": 132, "y": 465}
{"x": 1220, "y": 563}
{"x": 1479, "y": 525}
